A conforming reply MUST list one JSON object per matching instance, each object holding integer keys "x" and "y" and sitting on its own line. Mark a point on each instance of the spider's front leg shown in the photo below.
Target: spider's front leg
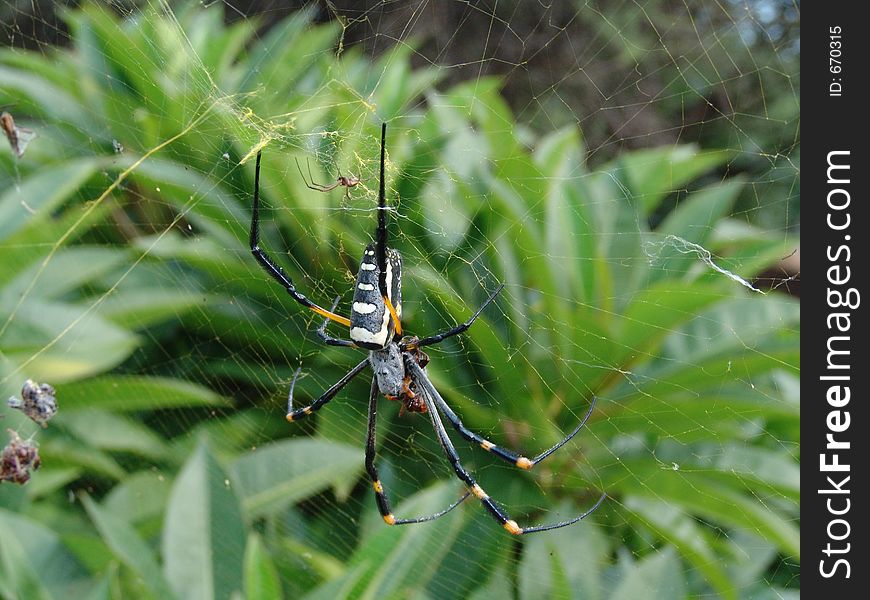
{"x": 274, "y": 270}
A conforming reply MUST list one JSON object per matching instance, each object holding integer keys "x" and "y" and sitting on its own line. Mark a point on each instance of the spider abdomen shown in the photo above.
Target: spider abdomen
{"x": 370, "y": 324}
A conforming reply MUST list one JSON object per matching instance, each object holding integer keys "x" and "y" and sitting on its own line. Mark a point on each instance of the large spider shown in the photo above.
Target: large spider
{"x": 398, "y": 364}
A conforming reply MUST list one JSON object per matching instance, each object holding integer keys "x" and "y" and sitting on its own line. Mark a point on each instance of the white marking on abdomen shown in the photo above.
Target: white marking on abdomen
{"x": 364, "y": 308}
{"x": 361, "y": 334}
{"x": 368, "y": 266}
{"x": 366, "y": 286}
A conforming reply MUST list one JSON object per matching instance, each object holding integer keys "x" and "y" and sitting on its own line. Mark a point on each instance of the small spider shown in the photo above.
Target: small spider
{"x": 346, "y": 182}
{"x": 398, "y": 363}
{"x": 37, "y": 401}
{"x": 18, "y": 137}
{"x": 18, "y": 459}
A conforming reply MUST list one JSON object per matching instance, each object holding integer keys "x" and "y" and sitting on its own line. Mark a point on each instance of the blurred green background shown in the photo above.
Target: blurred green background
{"x": 126, "y": 282}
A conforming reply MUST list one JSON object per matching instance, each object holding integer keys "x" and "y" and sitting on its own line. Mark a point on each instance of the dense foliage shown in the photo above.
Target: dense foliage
{"x": 126, "y": 282}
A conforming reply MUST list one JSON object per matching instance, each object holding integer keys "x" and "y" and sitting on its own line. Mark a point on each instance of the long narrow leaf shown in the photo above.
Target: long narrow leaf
{"x": 203, "y": 534}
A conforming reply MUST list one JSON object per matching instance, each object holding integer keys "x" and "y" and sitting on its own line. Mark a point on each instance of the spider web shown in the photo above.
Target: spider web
{"x": 628, "y": 170}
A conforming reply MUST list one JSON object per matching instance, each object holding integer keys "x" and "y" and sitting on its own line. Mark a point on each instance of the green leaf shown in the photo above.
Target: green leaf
{"x": 47, "y": 97}
{"x": 261, "y": 578}
{"x": 686, "y": 535}
{"x": 770, "y": 470}
{"x": 551, "y": 566}
{"x": 658, "y": 575}
{"x": 139, "y": 496}
{"x": 206, "y": 255}
{"x": 699, "y": 495}
{"x": 106, "y": 431}
{"x": 51, "y": 480}
{"x": 315, "y": 562}
{"x": 230, "y": 436}
{"x": 749, "y": 558}
{"x": 58, "y": 342}
{"x": 68, "y": 269}
{"x": 568, "y": 228}
{"x": 90, "y": 549}
{"x": 127, "y": 56}
{"x": 656, "y": 173}
{"x": 102, "y": 589}
{"x": 275, "y": 476}
{"x": 72, "y": 223}
{"x": 696, "y": 415}
{"x": 134, "y": 392}
{"x": 70, "y": 452}
{"x": 751, "y": 249}
{"x": 447, "y": 218}
{"x": 19, "y": 577}
{"x": 388, "y": 552}
{"x": 747, "y": 329}
{"x": 145, "y": 307}
{"x": 691, "y": 222}
{"x": 653, "y": 315}
{"x": 219, "y": 55}
{"x": 179, "y": 185}
{"x": 203, "y": 533}
{"x": 497, "y": 586}
{"x": 128, "y": 547}
{"x": 398, "y": 83}
{"x": 276, "y": 50}
{"x": 339, "y": 587}
{"x": 623, "y": 267}
{"x": 41, "y": 193}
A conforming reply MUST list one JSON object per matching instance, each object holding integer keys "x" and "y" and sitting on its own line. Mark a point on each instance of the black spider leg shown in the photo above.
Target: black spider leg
{"x": 274, "y": 271}
{"x": 328, "y": 339}
{"x": 435, "y": 339}
{"x": 381, "y": 237}
{"x": 494, "y": 509}
{"x": 380, "y": 494}
{"x": 509, "y": 455}
{"x": 300, "y": 413}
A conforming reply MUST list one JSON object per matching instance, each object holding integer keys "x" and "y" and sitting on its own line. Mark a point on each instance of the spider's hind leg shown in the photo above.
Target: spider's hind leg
{"x": 505, "y": 454}
{"x": 491, "y": 506}
{"x": 381, "y": 498}
{"x": 508, "y": 455}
